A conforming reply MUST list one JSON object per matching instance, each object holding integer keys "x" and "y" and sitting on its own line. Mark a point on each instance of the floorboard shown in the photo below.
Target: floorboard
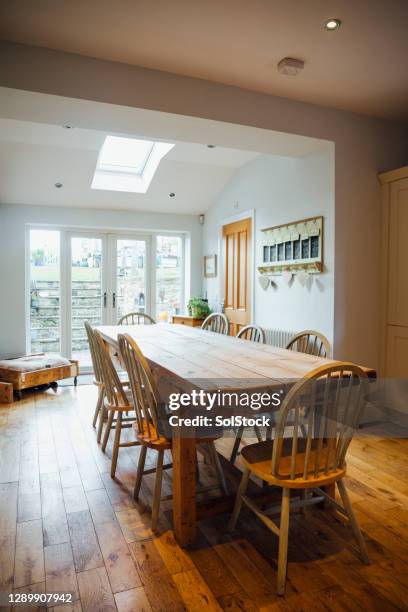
{"x": 66, "y": 526}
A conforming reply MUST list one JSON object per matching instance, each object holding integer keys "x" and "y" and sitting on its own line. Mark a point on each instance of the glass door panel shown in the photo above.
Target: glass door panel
{"x": 131, "y": 293}
{"x": 87, "y": 293}
{"x": 45, "y": 289}
{"x": 169, "y": 290}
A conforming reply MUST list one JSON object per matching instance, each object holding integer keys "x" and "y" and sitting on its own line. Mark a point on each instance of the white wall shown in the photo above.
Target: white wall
{"x": 13, "y": 221}
{"x": 364, "y": 146}
{"x": 281, "y": 190}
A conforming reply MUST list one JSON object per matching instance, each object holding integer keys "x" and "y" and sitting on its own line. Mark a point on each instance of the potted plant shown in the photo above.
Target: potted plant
{"x": 198, "y": 308}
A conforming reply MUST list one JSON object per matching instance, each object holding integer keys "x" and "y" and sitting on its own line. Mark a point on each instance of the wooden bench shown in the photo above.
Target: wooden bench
{"x": 36, "y": 370}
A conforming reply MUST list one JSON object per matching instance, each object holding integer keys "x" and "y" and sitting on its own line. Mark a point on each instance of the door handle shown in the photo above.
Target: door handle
{"x": 104, "y": 299}
{"x": 114, "y": 299}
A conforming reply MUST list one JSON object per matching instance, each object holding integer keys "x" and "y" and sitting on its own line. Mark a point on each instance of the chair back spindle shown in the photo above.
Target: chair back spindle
{"x": 253, "y": 333}
{"x": 93, "y": 348}
{"x": 329, "y": 403}
{"x": 136, "y": 318}
{"x": 150, "y": 414}
{"x": 114, "y": 391}
{"x": 310, "y": 342}
{"x": 217, "y": 322}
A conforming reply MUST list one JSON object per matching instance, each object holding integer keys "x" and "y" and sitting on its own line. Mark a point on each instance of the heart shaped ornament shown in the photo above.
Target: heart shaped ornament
{"x": 264, "y": 281}
{"x": 287, "y": 276}
{"x": 303, "y": 277}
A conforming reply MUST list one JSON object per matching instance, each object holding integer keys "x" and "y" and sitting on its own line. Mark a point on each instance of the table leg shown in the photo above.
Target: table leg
{"x": 184, "y": 487}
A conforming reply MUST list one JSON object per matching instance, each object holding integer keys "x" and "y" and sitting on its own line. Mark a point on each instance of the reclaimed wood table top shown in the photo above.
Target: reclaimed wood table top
{"x": 189, "y": 353}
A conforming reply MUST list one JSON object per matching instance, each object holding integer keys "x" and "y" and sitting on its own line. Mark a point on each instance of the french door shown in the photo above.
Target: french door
{"x": 79, "y": 275}
{"x": 106, "y": 277}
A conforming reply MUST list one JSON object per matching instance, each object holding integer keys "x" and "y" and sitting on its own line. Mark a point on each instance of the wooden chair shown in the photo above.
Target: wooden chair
{"x": 151, "y": 427}
{"x": 252, "y": 333}
{"x": 334, "y": 396}
{"x": 217, "y": 322}
{"x": 117, "y": 402}
{"x": 310, "y": 342}
{"x": 136, "y": 318}
{"x": 97, "y": 381}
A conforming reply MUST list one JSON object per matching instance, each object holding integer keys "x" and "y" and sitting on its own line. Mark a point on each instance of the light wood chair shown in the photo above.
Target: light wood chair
{"x": 97, "y": 381}
{"x": 136, "y": 318}
{"x": 217, "y": 322}
{"x": 310, "y": 342}
{"x": 251, "y": 332}
{"x": 152, "y": 429}
{"x": 117, "y": 402}
{"x": 334, "y": 396}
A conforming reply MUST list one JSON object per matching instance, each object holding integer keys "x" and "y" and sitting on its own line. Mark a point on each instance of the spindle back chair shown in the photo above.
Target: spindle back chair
{"x": 329, "y": 402}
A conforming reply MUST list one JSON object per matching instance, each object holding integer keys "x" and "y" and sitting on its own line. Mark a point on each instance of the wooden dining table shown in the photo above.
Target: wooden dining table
{"x": 182, "y": 356}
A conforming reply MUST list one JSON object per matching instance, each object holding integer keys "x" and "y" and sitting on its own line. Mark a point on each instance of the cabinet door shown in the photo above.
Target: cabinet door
{"x": 397, "y": 352}
{"x": 398, "y": 254}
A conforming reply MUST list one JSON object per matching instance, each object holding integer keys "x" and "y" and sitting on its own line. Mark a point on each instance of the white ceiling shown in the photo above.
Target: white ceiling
{"x": 361, "y": 67}
{"x": 36, "y": 152}
{"x": 33, "y": 157}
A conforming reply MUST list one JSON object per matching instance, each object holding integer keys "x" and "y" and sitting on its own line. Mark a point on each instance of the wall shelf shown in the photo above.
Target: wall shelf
{"x": 293, "y": 247}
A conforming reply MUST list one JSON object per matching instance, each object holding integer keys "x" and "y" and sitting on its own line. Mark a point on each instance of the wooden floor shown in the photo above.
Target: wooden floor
{"x": 66, "y": 526}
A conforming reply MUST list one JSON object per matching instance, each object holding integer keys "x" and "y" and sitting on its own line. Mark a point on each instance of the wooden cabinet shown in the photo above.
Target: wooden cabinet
{"x": 186, "y": 320}
{"x": 394, "y": 261}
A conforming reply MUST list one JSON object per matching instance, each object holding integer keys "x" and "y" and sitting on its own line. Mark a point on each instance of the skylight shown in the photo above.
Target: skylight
{"x": 128, "y": 164}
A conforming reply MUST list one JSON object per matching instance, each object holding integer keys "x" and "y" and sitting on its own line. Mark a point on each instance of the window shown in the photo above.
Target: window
{"x": 128, "y": 164}
{"x": 45, "y": 306}
{"x": 169, "y": 277}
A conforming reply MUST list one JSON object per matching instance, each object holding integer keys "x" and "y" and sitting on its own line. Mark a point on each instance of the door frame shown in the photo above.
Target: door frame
{"x": 246, "y": 214}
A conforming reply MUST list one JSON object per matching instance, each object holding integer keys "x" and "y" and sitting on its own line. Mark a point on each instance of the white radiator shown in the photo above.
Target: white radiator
{"x": 278, "y": 337}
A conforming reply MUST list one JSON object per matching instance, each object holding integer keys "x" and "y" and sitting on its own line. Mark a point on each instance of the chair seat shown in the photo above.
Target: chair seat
{"x": 258, "y": 459}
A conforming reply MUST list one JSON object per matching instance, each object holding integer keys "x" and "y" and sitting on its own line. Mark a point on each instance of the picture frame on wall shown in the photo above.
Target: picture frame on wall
{"x": 210, "y": 266}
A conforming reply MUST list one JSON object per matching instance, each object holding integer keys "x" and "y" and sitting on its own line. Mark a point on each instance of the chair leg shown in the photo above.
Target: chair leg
{"x": 353, "y": 521}
{"x": 283, "y": 541}
{"x": 157, "y": 490}
{"x": 218, "y": 468}
{"x": 97, "y": 407}
{"x": 238, "y": 500}
{"x": 258, "y": 433}
{"x": 237, "y": 442}
{"x": 102, "y": 413}
{"x": 116, "y": 442}
{"x": 140, "y": 470}
{"x": 108, "y": 428}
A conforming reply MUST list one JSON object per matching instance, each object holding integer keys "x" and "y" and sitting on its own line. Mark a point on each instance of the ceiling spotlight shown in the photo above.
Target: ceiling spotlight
{"x": 332, "y": 24}
{"x": 58, "y": 185}
{"x": 211, "y": 146}
{"x": 172, "y": 194}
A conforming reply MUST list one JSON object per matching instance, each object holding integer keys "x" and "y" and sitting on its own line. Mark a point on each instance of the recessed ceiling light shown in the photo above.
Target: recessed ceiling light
{"x": 172, "y": 194}
{"x": 58, "y": 185}
{"x": 211, "y": 146}
{"x": 332, "y": 24}
{"x": 68, "y": 126}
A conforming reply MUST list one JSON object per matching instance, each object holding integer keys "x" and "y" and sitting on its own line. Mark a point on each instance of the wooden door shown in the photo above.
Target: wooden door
{"x": 396, "y": 359}
{"x": 237, "y": 241}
